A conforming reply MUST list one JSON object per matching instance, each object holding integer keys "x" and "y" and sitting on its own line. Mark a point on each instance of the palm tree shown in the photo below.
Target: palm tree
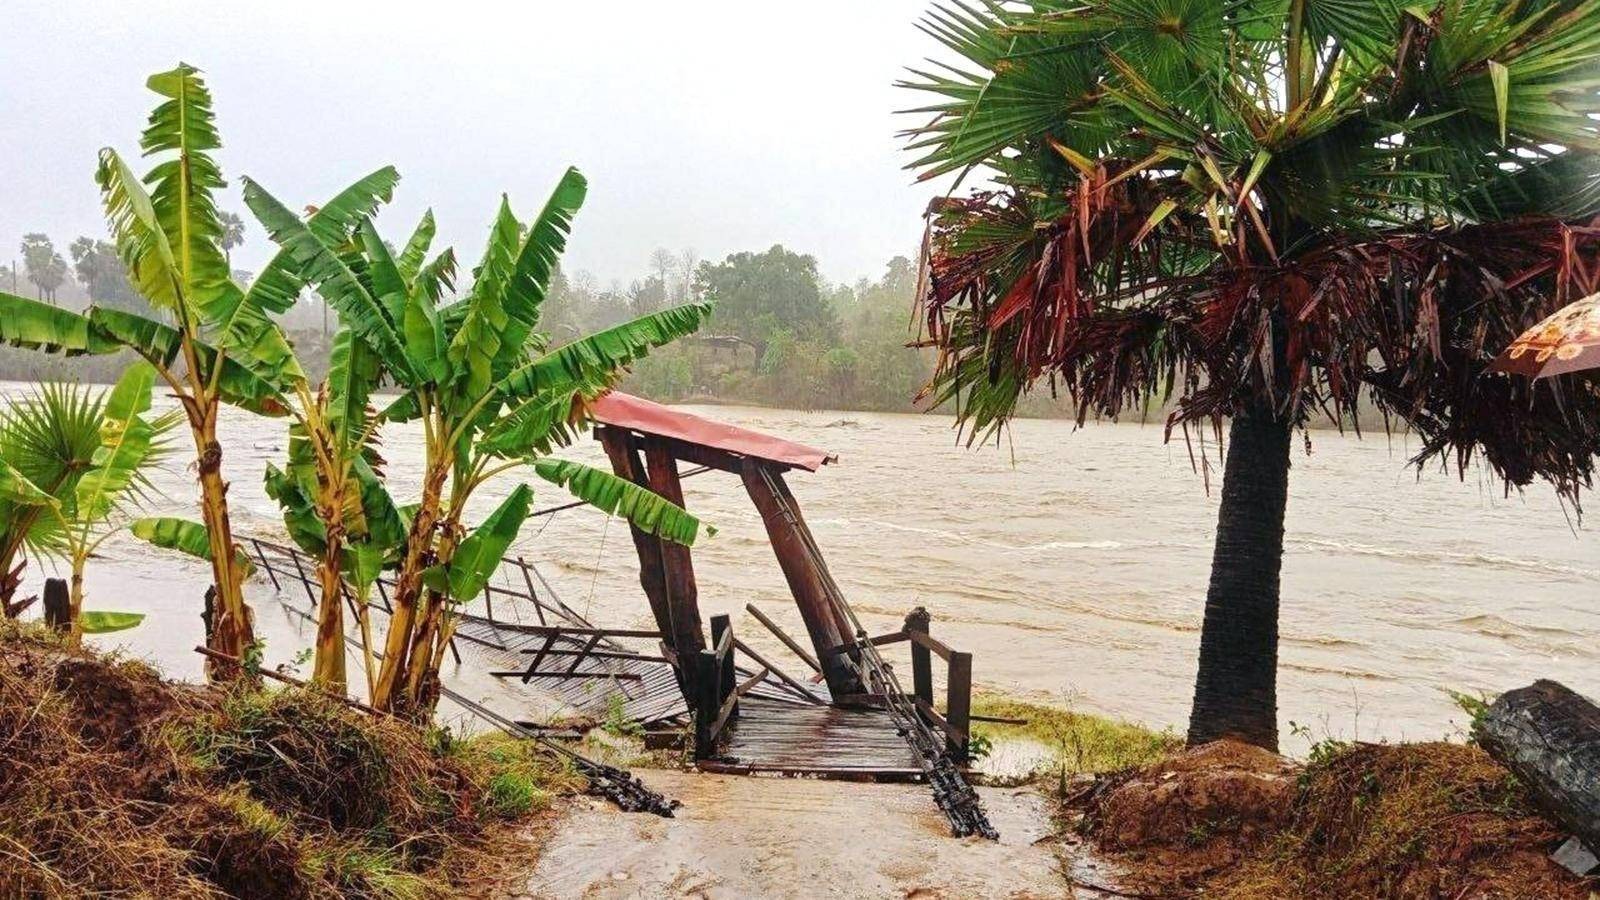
{"x": 74, "y": 459}
{"x": 232, "y": 234}
{"x": 214, "y": 342}
{"x": 476, "y": 374}
{"x": 1270, "y": 210}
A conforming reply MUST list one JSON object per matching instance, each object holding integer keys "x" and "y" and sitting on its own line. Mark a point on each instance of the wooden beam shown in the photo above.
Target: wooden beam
{"x": 783, "y": 636}
{"x": 652, "y": 576}
{"x": 777, "y": 673}
{"x": 841, "y": 620}
{"x": 806, "y": 581}
{"x": 677, "y": 565}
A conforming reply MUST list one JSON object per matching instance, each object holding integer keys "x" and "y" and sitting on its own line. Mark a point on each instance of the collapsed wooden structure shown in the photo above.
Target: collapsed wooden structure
{"x": 851, "y": 719}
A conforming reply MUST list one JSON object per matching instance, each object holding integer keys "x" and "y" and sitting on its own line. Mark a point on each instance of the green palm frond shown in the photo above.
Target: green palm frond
{"x": 17, "y": 489}
{"x": 650, "y": 512}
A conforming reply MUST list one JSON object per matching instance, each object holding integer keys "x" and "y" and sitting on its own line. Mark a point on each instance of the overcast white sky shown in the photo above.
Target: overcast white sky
{"x": 705, "y": 124}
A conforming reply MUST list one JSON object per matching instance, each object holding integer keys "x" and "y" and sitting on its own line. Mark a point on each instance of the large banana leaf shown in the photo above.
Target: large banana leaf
{"x": 536, "y": 425}
{"x": 410, "y": 260}
{"x": 478, "y": 557}
{"x": 323, "y": 269}
{"x": 185, "y": 537}
{"x": 181, "y": 186}
{"x": 100, "y": 621}
{"x": 39, "y": 326}
{"x": 646, "y": 510}
{"x": 536, "y": 262}
{"x": 477, "y": 343}
{"x": 353, "y": 372}
{"x": 300, "y": 517}
{"x": 159, "y": 343}
{"x": 592, "y": 363}
{"x": 127, "y": 441}
{"x": 141, "y": 241}
{"x": 279, "y": 284}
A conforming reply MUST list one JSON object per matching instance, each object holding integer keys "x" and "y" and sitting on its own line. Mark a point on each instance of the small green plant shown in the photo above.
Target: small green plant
{"x": 617, "y": 723}
{"x": 514, "y": 794}
{"x": 979, "y": 747}
{"x": 1475, "y": 706}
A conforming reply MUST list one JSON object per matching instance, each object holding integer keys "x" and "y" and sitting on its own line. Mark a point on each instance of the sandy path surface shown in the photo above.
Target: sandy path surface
{"x": 741, "y": 837}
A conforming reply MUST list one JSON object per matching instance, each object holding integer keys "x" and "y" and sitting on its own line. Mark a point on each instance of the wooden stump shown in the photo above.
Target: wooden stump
{"x": 1549, "y": 737}
{"x": 57, "y": 605}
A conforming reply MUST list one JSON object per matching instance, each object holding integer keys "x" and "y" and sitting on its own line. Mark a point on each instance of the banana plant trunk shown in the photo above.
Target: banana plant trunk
{"x": 1235, "y": 694}
{"x": 427, "y": 646}
{"x": 388, "y": 695}
{"x": 232, "y": 628}
{"x": 75, "y": 603}
{"x": 328, "y": 668}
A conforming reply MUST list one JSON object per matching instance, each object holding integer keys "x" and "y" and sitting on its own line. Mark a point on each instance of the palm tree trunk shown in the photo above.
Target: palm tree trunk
{"x": 1235, "y": 693}
{"x": 232, "y": 630}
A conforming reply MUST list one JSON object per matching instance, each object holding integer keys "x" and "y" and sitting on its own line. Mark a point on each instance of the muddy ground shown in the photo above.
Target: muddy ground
{"x": 740, "y": 837}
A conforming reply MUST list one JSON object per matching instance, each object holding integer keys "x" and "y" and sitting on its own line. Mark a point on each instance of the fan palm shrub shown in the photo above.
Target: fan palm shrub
{"x": 490, "y": 396}
{"x": 213, "y": 342}
{"x": 1269, "y": 211}
{"x": 72, "y": 460}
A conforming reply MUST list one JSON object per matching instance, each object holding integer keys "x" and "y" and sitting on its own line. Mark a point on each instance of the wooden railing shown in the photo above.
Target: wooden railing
{"x": 717, "y": 688}
{"x": 956, "y": 718}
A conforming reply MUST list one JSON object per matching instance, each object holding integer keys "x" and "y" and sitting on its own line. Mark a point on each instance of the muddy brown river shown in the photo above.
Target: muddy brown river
{"x": 1071, "y": 562}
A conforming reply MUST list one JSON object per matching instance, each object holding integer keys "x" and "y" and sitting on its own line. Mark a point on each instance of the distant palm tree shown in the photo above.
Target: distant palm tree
{"x": 232, "y": 234}
{"x": 1271, "y": 210}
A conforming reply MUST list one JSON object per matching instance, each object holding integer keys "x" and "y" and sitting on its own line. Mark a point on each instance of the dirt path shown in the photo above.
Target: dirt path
{"x": 739, "y": 837}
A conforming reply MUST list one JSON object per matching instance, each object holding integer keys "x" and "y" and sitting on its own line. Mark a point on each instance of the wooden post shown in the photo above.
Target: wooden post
{"x": 958, "y": 702}
{"x": 806, "y": 582}
{"x": 727, "y": 674}
{"x": 921, "y": 658}
{"x": 677, "y": 565}
{"x": 652, "y": 575}
{"x": 706, "y": 687}
{"x": 57, "y": 605}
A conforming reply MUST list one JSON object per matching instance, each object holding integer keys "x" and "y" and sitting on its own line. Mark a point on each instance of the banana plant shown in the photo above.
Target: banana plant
{"x": 214, "y": 343}
{"x": 488, "y": 392}
{"x": 91, "y": 451}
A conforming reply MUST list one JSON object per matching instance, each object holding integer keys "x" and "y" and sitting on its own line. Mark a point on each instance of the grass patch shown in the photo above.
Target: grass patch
{"x": 1076, "y": 742}
{"x": 116, "y": 783}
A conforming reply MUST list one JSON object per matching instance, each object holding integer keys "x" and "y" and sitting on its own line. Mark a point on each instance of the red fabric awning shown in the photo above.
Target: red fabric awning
{"x": 639, "y": 414}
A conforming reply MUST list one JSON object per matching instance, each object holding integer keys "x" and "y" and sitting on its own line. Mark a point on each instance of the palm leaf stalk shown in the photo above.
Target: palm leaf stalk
{"x": 476, "y": 373}
{"x": 214, "y": 342}
{"x": 1267, "y": 212}
{"x": 93, "y": 455}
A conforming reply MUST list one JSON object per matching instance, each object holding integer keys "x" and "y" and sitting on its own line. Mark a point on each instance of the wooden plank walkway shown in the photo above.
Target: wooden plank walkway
{"x": 821, "y": 741}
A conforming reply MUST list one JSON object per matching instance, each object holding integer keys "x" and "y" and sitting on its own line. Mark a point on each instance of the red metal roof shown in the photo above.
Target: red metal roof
{"x": 639, "y": 414}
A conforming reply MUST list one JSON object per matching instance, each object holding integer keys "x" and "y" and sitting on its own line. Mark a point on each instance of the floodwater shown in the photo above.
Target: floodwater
{"x": 1071, "y": 562}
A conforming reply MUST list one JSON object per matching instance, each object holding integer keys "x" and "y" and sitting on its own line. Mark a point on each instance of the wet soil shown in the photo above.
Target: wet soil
{"x": 740, "y": 837}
